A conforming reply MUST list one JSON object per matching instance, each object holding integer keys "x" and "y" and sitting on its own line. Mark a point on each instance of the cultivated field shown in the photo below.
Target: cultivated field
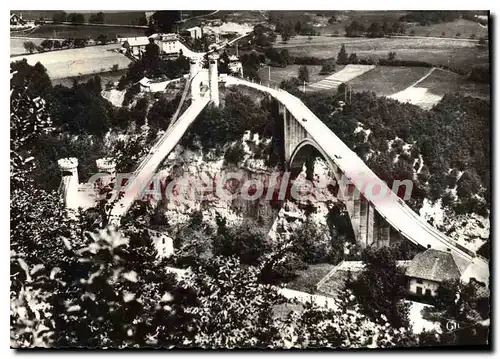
{"x": 364, "y": 17}
{"x": 17, "y": 45}
{"x": 459, "y": 53}
{"x": 387, "y": 80}
{"x": 442, "y": 82}
{"x": 77, "y": 62}
{"x": 279, "y": 74}
{"x": 105, "y": 78}
{"x": 110, "y": 17}
{"x": 466, "y": 28}
{"x": 82, "y": 31}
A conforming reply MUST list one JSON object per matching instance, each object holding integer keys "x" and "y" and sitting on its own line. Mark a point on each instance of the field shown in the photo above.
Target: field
{"x": 320, "y": 18}
{"x": 387, "y": 80}
{"x": 462, "y": 54}
{"x": 17, "y": 47}
{"x": 77, "y": 62}
{"x": 466, "y": 28}
{"x": 441, "y": 82}
{"x": 105, "y": 78}
{"x": 110, "y": 17}
{"x": 279, "y": 74}
{"x": 82, "y": 31}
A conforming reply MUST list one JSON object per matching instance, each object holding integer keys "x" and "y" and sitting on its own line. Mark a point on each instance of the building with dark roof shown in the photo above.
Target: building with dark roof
{"x": 432, "y": 267}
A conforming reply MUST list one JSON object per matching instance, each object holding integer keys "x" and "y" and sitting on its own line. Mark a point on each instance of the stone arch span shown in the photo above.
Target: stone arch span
{"x": 368, "y": 226}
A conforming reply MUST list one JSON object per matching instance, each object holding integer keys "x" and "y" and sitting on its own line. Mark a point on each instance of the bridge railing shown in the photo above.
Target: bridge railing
{"x": 144, "y": 162}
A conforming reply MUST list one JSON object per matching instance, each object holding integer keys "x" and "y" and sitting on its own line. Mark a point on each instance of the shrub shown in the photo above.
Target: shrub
{"x": 131, "y": 92}
{"x": 480, "y": 73}
{"x": 328, "y": 67}
{"x": 234, "y": 154}
{"x": 307, "y": 60}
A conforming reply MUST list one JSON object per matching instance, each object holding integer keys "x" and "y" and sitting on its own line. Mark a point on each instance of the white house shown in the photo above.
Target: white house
{"x": 136, "y": 45}
{"x": 432, "y": 267}
{"x": 18, "y": 23}
{"x": 17, "y": 20}
{"x": 195, "y": 32}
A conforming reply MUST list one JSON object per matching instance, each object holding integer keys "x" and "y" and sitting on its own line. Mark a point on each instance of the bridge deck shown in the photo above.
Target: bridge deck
{"x": 146, "y": 170}
{"x": 393, "y": 209}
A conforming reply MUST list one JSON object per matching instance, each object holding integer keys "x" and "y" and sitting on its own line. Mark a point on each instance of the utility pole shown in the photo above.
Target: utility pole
{"x": 269, "y": 73}
{"x": 236, "y": 48}
{"x": 304, "y": 88}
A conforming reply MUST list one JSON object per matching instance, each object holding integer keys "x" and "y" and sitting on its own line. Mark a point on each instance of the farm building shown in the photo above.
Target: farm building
{"x": 430, "y": 268}
{"x": 195, "y": 32}
{"x": 136, "y": 45}
{"x": 18, "y": 23}
{"x": 16, "y": 20}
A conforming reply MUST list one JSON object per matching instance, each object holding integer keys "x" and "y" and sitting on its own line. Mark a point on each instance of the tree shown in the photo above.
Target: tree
{"x": 468, "y": 184}
{"x": 375, "y": 30}
{"x": 328, "y": 67}
{"x": 354, "y": 29}
{"x": 76, "y": 18}
{"x": 234, "y": 154}
{"x": 29, "y": 46}
{"x": 298, "y": 27}
{"x": 164, "y": 21}
{"x": 35, "y": 76}
{"x": 443, "y": 34}
{"x": 342, "y": 58}
{"x": 80, "y": 42}
{"x": 303, "y": 74}
{"x": 81, "y": 109}
{"x": 47, "y": 44}
{"x": 59, "y": 17}
{"x": 160, "y": 113}
{"x": 381, "y": 287}
{"x": 391, "y": 56}
{"x": 97, "y": 18}
{"x": 460, "y": 303}
{"x": 102, "y": 39}
{"x": 353, "y": 58}
{"x": 386, "y": 28}
{"x": 285, "y": 36}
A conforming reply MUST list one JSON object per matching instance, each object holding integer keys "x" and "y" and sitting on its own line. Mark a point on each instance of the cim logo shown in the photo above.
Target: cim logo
{"x": 452, "y": 325}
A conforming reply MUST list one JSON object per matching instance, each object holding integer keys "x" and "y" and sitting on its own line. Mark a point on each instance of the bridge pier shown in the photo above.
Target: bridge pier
{"x": 213, "y": 79}
{"x": 69, "y": 182}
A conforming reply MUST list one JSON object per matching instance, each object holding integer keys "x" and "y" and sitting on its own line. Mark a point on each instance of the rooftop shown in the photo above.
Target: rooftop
{"x": 138, "y": 41}
{"x": 436, "y": 266}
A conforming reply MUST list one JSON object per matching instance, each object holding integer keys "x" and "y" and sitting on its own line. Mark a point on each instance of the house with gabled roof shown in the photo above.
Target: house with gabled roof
{"x": 432, "y": 267}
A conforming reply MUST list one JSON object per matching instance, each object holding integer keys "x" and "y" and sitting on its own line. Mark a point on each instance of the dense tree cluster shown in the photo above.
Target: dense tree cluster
{"x": 437, "y": 135}
{"x": 379, "y": 296}
{"x": 97, "y": 18}
{"x": 463, "y": 305}
{"x": 429, "y": 17}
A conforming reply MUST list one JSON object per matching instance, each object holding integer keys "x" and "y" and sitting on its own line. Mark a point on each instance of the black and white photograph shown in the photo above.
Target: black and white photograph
{"x": 250, "y": 179}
